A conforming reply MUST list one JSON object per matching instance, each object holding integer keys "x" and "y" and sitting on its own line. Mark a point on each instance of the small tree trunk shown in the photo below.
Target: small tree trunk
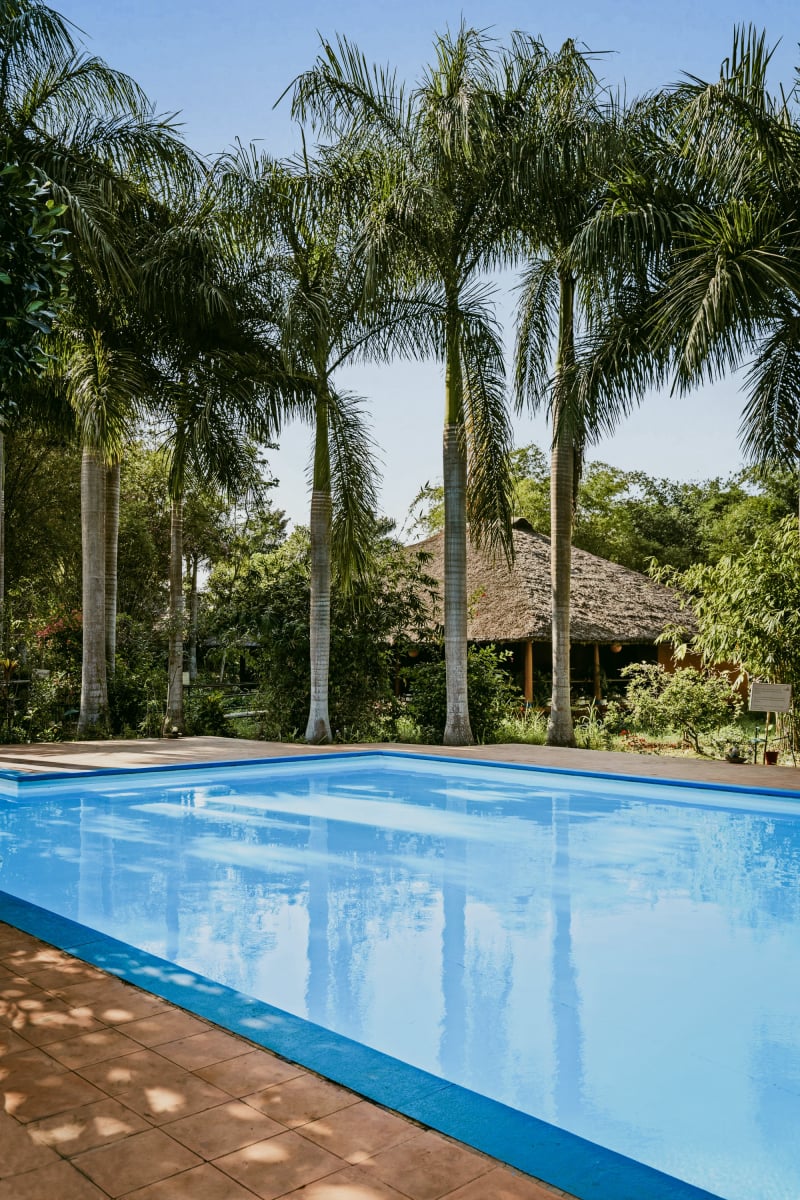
{"x": 112, "y": 544}
{"x": 560, "y": 731}
{"x": 194, "y": 619}
{"x": 173, "y": 721}
{"x": 318, "y": 729}
{"x": 457, "y": 730}
{"x": 93, "y": 718}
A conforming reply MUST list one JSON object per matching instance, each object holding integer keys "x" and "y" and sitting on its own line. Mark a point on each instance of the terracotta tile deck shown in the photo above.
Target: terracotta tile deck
{"x": 129, "y": 1110}
{"x": 111, "y": 1092}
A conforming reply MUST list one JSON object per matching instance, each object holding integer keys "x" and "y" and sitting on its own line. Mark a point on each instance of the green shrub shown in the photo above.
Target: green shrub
{"x": 492, "y": 695}
{"x": 527, "y": 726}
{"x": 694, "y": 702}
{"x": 205, "y": 715}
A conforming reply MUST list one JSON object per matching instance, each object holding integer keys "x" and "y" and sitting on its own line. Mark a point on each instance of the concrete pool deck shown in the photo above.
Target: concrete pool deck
{"x": 110, "y": 1091}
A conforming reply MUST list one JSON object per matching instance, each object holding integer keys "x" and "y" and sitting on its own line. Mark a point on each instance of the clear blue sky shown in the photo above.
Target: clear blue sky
{"x": 222, "y": 64}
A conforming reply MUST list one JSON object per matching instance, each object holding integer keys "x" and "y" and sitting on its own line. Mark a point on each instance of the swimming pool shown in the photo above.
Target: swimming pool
{"x": 615, "y": 958}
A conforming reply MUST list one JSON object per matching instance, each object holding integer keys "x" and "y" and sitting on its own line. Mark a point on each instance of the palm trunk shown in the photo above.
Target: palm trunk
{"x": 93, "y": 718}
{"x": 2, "y": 541}
{"x": 173, "y": 721}
{"x": 194, "y": 619}
{"x": 318, "y": 729}
{"x": 112, "y": 543}
{"x": 457, "y": 731}
{"x": 560, "y": 730}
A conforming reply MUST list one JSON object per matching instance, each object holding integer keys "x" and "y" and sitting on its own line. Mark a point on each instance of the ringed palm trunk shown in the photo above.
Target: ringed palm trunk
{"x": 173, "y": 720}
{"x": 457, "y": 731}
{"x": 194, "y": 618}
{"x": 560, "y": 730}
{"x": 2, "y": 540}
{"x": 93, "y": 718}
{"x": 318, "y": 729}
{"x": 112, "y": 544}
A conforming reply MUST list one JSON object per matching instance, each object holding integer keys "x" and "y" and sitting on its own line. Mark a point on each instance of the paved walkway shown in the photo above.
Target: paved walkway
{"x": 109, "y": 1091}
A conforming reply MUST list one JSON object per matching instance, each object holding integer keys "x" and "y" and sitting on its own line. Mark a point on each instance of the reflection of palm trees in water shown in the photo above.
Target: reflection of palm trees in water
{"x": 317, "y": 983}
{"x": 564, "y": 994}
{"x": 452, "y": 1045}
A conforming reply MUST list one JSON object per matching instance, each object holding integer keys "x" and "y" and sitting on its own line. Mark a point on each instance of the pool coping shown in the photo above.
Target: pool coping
{"x": 32, "y": 777}
{"x": 585, "y": 1169}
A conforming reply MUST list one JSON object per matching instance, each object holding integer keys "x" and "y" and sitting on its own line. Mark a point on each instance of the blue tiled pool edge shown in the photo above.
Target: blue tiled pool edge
{"x": 588, "y": 1171}
{"x": 33, "y": 777}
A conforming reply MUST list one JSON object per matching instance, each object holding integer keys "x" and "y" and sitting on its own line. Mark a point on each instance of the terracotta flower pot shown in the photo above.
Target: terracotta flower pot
{"x": 771, "y": 757}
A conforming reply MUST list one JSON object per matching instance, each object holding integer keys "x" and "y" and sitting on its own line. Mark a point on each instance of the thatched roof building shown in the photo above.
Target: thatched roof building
{"x": 609, "y": 603}
{"x": 612, "y": 607}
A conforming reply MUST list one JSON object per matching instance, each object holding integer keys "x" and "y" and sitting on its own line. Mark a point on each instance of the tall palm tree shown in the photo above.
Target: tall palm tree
{"x": 103, "y": 384}
{"x": 301, "y": 229}
{"x": 435, "y": 227}
{"x": 90, "y": 132}
{"x": 566, "y": 140}
{"x": 217, "y": 375}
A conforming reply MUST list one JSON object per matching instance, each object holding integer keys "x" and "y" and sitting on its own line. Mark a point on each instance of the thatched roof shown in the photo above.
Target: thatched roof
{"x": 609, "y": 603}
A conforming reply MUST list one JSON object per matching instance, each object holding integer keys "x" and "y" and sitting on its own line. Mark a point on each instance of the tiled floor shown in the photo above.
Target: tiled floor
{"x": 111, "y": 1092}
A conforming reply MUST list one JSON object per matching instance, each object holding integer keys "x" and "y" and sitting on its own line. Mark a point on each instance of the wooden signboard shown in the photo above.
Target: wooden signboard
{"x": 770, "y": 697}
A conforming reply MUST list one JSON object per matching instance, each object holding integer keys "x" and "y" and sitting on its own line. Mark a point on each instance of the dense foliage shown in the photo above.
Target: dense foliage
{"x": 33, "y": 268}
{"x": 632, "y": 518}
{"x": 257, "y": 608}
{"x": 492, "y": 696}
{"x": 747, "y": 607}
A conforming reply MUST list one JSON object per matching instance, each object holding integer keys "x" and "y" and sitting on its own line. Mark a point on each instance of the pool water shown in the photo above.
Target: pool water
{"x": 620, "y": 959}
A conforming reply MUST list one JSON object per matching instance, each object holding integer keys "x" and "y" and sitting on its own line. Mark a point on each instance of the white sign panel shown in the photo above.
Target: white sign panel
{"x": 770, "y": 697}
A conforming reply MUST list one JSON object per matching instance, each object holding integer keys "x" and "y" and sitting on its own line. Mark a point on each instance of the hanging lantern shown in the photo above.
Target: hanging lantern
{"x": 616, "y": 647}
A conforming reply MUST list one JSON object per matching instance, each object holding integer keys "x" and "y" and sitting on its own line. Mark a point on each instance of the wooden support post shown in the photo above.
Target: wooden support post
{"x": 598, "y": 691}
{"x": 529, "y": 671}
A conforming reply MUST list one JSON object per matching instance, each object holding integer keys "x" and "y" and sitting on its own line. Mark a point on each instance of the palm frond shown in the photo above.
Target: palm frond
{"x": 105, "y": 386}
{"x": 487, "y": 430}
{"x": 770, "y": 428}
{"x": 537, "y": 322}
{"x": 353, "y": 477}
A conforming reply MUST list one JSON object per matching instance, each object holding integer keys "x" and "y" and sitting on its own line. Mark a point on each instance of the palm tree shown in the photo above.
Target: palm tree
{"x": 706, "y": 217}
{"x": 301, "y": 225}
{"x": 435, "y": 228}
{"x": 732, "y": 293}
{"x": 216, "y": 372}
{"x": 103, "y": 385}
{"x": 91, "y": 134}
{"x": 567, "y": 138}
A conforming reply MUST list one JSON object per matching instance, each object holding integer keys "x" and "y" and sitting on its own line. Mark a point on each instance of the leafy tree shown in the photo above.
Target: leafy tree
{"x": 34, "y": 265}
{"x": 439, "y": 161}
{"x": 747, "y": 607}
{"x": 43, "y": 512}
{"x": 695, "y": 702}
